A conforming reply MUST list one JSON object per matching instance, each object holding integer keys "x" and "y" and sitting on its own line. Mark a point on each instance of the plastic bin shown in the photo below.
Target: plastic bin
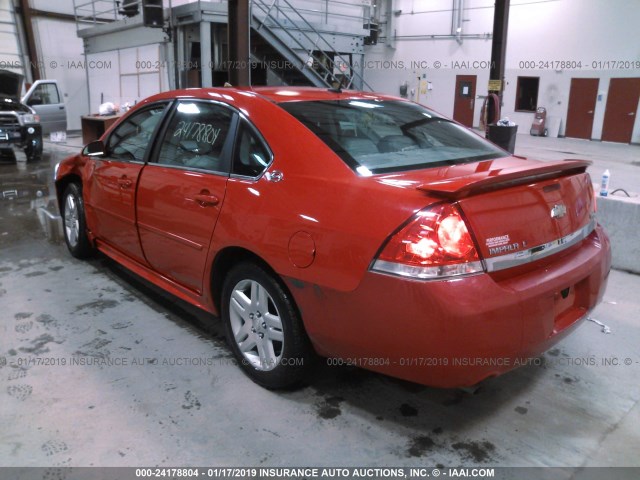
{"x": 504, "y": 137}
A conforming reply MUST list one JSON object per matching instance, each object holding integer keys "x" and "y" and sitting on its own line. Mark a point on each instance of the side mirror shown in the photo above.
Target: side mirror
{"x": 34, "y": 100}
{"x": 94, "y": 149}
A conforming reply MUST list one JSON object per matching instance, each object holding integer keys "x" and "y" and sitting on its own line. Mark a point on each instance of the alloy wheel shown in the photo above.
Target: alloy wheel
{"x": 71, "y": 222}
{"x": 256, "y": 325}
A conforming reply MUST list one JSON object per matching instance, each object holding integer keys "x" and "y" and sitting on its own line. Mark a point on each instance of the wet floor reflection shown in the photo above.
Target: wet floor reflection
{"x": 28, "y": 207}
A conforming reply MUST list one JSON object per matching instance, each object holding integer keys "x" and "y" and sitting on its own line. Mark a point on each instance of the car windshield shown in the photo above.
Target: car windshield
{"x": 374, "y": 136}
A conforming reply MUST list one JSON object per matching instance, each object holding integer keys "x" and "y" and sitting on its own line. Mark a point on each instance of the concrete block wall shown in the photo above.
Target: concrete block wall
{"x": 620, "y": 216}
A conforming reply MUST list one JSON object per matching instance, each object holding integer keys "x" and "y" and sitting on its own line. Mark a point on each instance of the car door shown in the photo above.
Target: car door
{"x": 111, "y": 190}
{"x": 45, "y": 98}
{"x": 182, "y": 189}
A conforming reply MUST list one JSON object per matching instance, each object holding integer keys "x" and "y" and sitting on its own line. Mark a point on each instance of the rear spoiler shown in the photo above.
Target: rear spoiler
{"x": 480, "y": 182}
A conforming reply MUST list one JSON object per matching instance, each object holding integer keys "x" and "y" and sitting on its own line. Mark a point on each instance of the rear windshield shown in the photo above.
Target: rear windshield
{"x": 374, "y": 136}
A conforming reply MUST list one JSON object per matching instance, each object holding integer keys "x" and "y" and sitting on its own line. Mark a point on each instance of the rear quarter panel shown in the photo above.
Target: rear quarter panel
{"x": 347, "y": 216}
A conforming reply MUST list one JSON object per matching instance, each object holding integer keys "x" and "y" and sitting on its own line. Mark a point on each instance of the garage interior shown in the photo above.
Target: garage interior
{"x": 171, "y": 395}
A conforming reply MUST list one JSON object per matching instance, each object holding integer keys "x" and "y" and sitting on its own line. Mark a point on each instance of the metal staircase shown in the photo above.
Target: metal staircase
{"x": 316, "y": 56}
{"x": 293, "y": 42}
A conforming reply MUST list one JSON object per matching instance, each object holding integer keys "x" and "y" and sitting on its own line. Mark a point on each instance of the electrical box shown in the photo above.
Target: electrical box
{"x": 152, "y": 13}
{"x": 129, "y": 8}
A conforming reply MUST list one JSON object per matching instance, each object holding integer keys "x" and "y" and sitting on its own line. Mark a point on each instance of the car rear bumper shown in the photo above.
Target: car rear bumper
{"x": 461, "y": 331}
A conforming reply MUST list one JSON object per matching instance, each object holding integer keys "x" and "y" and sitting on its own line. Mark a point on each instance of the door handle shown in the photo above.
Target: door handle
{"x": 61, "y": 108}
{"x": 590, "y": 111}
{"x": 124, "y": 182}
{"x": 205, "y": 199}
{"x": 631, "y": 114}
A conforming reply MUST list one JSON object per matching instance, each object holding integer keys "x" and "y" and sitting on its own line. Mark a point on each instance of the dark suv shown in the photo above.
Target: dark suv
{"x": 19, "y": 124}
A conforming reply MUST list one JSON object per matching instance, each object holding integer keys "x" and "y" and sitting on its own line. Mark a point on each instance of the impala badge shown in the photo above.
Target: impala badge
{"x": 558, "y": 211}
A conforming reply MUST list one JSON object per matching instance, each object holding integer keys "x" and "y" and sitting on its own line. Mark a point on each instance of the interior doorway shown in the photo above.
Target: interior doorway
{"x": 622, "y": 109}
{"x": 582, "y": 104}
{"x": 465, "y": 99}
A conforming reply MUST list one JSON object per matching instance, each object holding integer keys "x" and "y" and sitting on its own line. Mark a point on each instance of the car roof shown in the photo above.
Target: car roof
{"x": 291, "y": 94}
{"x": 278, "y": 94}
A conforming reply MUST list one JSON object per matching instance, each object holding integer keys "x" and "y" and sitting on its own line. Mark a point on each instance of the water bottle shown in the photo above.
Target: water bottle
{"x": 604, "y": 186}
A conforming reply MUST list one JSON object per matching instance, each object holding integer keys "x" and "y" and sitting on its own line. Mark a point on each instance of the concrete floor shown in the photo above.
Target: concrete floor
{"x": 623, "y": 161}
{"x": 172, "y": 396}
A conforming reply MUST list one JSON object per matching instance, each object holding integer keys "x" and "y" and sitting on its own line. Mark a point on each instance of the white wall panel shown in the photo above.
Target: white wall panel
{"x": 9, "y": 48}
{"x": 149, "y": 53}
{"x": 104, "y": 87}
{"x": 586, "y": 31}
{"x": 59, "y": 6}
{"x": 149, "y": 84}
{"x": 130, "y": 80}
{"x": 61, "y": 58}
{"x": 128, "y": 59}
{"x": 129, "y": 88}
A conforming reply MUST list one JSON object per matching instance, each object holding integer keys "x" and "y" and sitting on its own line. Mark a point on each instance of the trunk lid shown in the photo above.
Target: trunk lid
{"x": 531, "y": 219}
{"x": 523, "y": 208}
{"x": 518, "y": 207}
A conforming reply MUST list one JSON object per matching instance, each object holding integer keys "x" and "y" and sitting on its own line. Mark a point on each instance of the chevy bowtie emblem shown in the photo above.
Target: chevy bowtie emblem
{"x": 558, "y": 211}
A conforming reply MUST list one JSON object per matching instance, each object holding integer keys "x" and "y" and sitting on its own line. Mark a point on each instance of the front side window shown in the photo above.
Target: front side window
{"x": 196, "y": 136}
{"x": 45, "y": 94}
{"x": 129, "y": 141}
{"x": 374, "y": 136}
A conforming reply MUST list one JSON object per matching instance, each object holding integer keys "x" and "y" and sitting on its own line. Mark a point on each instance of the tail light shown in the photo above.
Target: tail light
{"x": 435, "y": 244}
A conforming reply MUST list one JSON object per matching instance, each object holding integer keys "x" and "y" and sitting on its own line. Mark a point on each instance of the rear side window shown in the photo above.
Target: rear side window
{"x": 196, "y": 136}
{"x": 251, "y": 156}
{"x": 374, "y": 136}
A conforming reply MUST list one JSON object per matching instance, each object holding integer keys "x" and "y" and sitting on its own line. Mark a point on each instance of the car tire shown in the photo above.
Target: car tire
{"x": 264, "y": 329}
{"x": 74, "y": 222}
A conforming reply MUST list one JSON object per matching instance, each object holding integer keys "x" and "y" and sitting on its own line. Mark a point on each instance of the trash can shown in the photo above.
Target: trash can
{"x": 504, "y": 137}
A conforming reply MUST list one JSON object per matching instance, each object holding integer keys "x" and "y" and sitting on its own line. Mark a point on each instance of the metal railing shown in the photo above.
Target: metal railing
{"x": 90, "y": 13}
{"x": 333, "y": 68}
{"x": 329, "y": 10}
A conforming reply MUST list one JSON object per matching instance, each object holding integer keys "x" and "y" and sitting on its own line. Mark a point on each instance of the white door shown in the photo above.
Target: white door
{"x": 44, "y": 97}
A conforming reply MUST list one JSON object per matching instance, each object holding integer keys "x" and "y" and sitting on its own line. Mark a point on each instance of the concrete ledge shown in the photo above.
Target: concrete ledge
{"x": 620, "y": 216}
{"x": 51, "y": 223}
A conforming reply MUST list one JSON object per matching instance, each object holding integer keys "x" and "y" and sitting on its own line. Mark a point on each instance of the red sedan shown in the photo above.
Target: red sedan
{"x": 360, "y": 227}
